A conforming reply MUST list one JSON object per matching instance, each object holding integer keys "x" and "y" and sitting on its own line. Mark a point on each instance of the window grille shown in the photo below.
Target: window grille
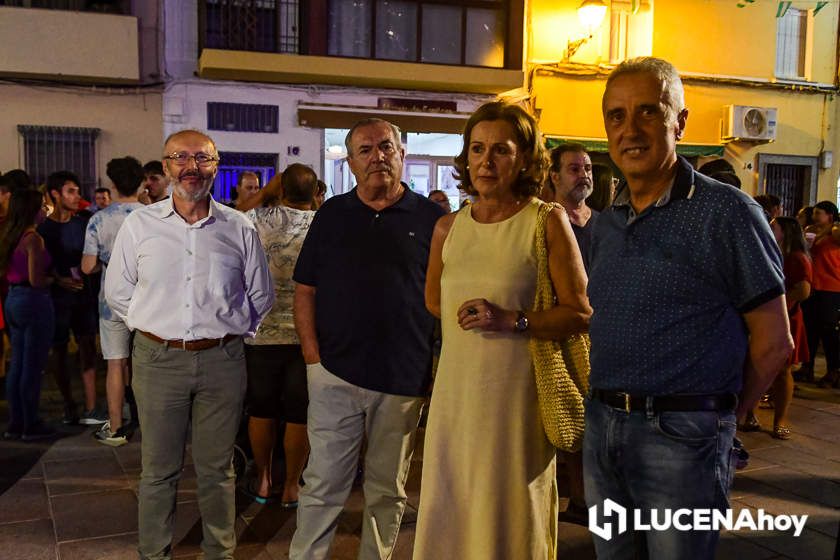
{"x": 788, "y": 183}
{"x": 251, "y": 25}
{"x": 48, "y": 149}
{"x": 242, "y": 117}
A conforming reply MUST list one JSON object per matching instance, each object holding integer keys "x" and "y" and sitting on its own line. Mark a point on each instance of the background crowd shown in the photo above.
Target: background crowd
{"x": 328, "y": 362}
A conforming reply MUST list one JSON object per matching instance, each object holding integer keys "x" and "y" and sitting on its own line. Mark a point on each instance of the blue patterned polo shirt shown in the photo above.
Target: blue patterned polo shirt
{"x": 668, "y": 288}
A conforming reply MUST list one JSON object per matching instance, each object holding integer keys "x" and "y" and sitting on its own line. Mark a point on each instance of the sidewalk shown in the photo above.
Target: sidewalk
{"x": 74, "y": 499}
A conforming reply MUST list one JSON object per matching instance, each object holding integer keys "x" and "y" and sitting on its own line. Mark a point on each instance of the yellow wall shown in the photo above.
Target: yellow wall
{"x": 717, "y": 37}
{"x": 552, "y": 24}
{"x": 706, "y": 37}
{"x": 77, "y": 46}
{"x": 130, "y": 123}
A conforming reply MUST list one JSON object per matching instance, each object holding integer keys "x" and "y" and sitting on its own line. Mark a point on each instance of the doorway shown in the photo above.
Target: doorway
{"x": 428, "y": 163}
{"x": 792, "y": 178}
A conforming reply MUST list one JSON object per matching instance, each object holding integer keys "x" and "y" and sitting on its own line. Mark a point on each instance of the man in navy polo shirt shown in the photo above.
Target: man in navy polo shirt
{"x": 366, "y": 338}
{"x": 687, "y": 290}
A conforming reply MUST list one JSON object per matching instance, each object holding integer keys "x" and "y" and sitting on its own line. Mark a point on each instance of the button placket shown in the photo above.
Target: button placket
{"x": 189, "y": 292}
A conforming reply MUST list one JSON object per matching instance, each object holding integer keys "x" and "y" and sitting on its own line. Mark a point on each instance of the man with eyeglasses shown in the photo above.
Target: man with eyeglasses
{"x": 366, "y": 338}
{"x": 190, "y": 277}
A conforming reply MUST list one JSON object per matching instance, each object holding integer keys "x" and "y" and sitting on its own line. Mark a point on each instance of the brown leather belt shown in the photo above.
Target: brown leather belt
{"x": 190, "y": 345}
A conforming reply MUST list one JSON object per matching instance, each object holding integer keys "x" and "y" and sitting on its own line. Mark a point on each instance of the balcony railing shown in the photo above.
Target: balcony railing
{"x": 479, "y": 33}
{"x": 250, "y": 25}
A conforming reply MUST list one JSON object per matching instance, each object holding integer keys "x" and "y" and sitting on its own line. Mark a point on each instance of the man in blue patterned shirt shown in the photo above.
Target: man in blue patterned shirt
{"x": 689, "y": 324}
{"x": 127, "y": 175}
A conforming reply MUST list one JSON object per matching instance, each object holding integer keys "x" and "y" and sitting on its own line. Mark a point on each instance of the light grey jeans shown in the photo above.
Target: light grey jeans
{"x": 340, "y": 415}
{"x": 175, "y": 388}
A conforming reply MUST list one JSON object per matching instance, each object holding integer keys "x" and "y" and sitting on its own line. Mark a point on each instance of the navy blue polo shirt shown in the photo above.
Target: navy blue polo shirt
{"x": 668, "y": 288}
{"x": 369, "y": 271}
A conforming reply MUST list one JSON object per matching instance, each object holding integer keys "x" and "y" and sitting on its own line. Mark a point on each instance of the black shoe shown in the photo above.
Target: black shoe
{"x": 93, "y": 417}
{"x": 575, "y": 514}
{"x": 12, "y": 432}
{"x": 742, "y": 457}
{"x": 751, "y": 424}
{"x": 830, "y": 379}
{"x": 37, "y": 432}
{"x": 71, "y": 417}
{"x": 804, "y": 374}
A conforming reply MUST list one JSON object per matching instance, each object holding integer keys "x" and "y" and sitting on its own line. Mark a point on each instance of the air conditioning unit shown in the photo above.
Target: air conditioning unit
{"x": 742, "y": 122}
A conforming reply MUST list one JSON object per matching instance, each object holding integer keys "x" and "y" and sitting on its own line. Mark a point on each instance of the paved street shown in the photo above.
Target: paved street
{"x": 74, "y": 499}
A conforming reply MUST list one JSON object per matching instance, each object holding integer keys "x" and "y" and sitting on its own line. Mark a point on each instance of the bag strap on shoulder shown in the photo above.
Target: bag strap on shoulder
{"x": 544, "y": 298}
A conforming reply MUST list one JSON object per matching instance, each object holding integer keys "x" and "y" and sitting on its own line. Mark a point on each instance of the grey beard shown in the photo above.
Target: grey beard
{"x": 579, "y": 196}
{"x": 192, "y": 197}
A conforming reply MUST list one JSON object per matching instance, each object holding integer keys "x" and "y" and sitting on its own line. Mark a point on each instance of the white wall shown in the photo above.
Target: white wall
{"x": 185, "y": 106}
{"x": 180, "y": 25}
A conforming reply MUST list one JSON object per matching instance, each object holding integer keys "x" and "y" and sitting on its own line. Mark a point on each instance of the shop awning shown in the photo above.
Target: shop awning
{"x": 600, "y": 145}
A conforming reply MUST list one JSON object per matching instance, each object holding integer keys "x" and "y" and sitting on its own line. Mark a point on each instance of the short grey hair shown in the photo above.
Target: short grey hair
{"x": 395, "y": 131}
{"x": 662, "y": 70}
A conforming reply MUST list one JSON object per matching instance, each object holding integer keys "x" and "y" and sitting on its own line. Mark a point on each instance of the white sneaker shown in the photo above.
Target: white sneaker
{"x": 105, "y": 436}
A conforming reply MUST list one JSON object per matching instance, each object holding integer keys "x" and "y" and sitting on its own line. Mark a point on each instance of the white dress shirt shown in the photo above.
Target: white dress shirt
{"x": 189, "y": 281}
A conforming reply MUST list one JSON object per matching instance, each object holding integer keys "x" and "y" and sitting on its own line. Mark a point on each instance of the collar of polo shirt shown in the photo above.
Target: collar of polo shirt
{"x": 682, "y": 187}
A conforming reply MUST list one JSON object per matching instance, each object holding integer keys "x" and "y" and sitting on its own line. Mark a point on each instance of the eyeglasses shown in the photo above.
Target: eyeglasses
{"x": 201, "y": 159}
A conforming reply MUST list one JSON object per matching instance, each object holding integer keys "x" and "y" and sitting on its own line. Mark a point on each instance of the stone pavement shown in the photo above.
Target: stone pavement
{"x": 73, "y": 499}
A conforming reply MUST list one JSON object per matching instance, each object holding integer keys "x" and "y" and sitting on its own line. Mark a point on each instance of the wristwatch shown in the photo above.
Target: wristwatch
{"x": 521, "y": 324}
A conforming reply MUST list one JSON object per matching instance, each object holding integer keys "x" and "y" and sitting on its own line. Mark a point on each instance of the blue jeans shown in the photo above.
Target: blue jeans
{"x": 650, "y": 460}
{"x": 29, "y": 313}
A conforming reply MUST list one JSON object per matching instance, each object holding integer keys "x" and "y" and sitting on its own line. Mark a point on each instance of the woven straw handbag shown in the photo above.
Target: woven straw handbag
{"x": 561, "y": 367}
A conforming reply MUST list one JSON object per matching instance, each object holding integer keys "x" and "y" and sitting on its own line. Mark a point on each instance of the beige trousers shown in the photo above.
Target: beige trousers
{"x": 340, "y": 415}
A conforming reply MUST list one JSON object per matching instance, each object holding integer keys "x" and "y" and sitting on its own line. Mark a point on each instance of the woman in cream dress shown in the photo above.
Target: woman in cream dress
{"x": 488, "y": 489}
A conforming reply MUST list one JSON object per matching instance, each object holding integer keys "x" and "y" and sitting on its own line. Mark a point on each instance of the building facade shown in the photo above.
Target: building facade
{"x": 78, "y": 88}
{"x": 280, "y": 81}
{"x": 760, "y": 82}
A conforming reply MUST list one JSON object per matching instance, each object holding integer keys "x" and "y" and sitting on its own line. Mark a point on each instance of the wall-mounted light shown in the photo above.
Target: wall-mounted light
{"x": 590, "y": 13}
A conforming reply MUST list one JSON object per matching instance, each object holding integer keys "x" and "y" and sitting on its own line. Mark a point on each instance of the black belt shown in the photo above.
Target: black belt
{"x": 24, "y": 284}
{"x": 668, "y": 403}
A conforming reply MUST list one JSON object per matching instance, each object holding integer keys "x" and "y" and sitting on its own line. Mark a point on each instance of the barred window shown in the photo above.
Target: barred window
{"x": 48, "y": 149}
{"x": 250, "y": 25}
{"x": 242, "y": 117}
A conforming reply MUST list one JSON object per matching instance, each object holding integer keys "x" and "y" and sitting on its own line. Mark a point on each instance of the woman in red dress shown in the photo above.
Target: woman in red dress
{"x": 822, "y": 310}
{"x": 797, "y": 269}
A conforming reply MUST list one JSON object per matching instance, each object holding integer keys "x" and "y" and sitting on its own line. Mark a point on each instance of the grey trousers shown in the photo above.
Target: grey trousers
{"x": 175, "y": 388}
{"x": 340, "y": 415}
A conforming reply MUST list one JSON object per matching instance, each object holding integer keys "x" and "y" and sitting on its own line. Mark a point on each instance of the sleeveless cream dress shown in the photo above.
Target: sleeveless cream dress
{"x": 488, "y": 487}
